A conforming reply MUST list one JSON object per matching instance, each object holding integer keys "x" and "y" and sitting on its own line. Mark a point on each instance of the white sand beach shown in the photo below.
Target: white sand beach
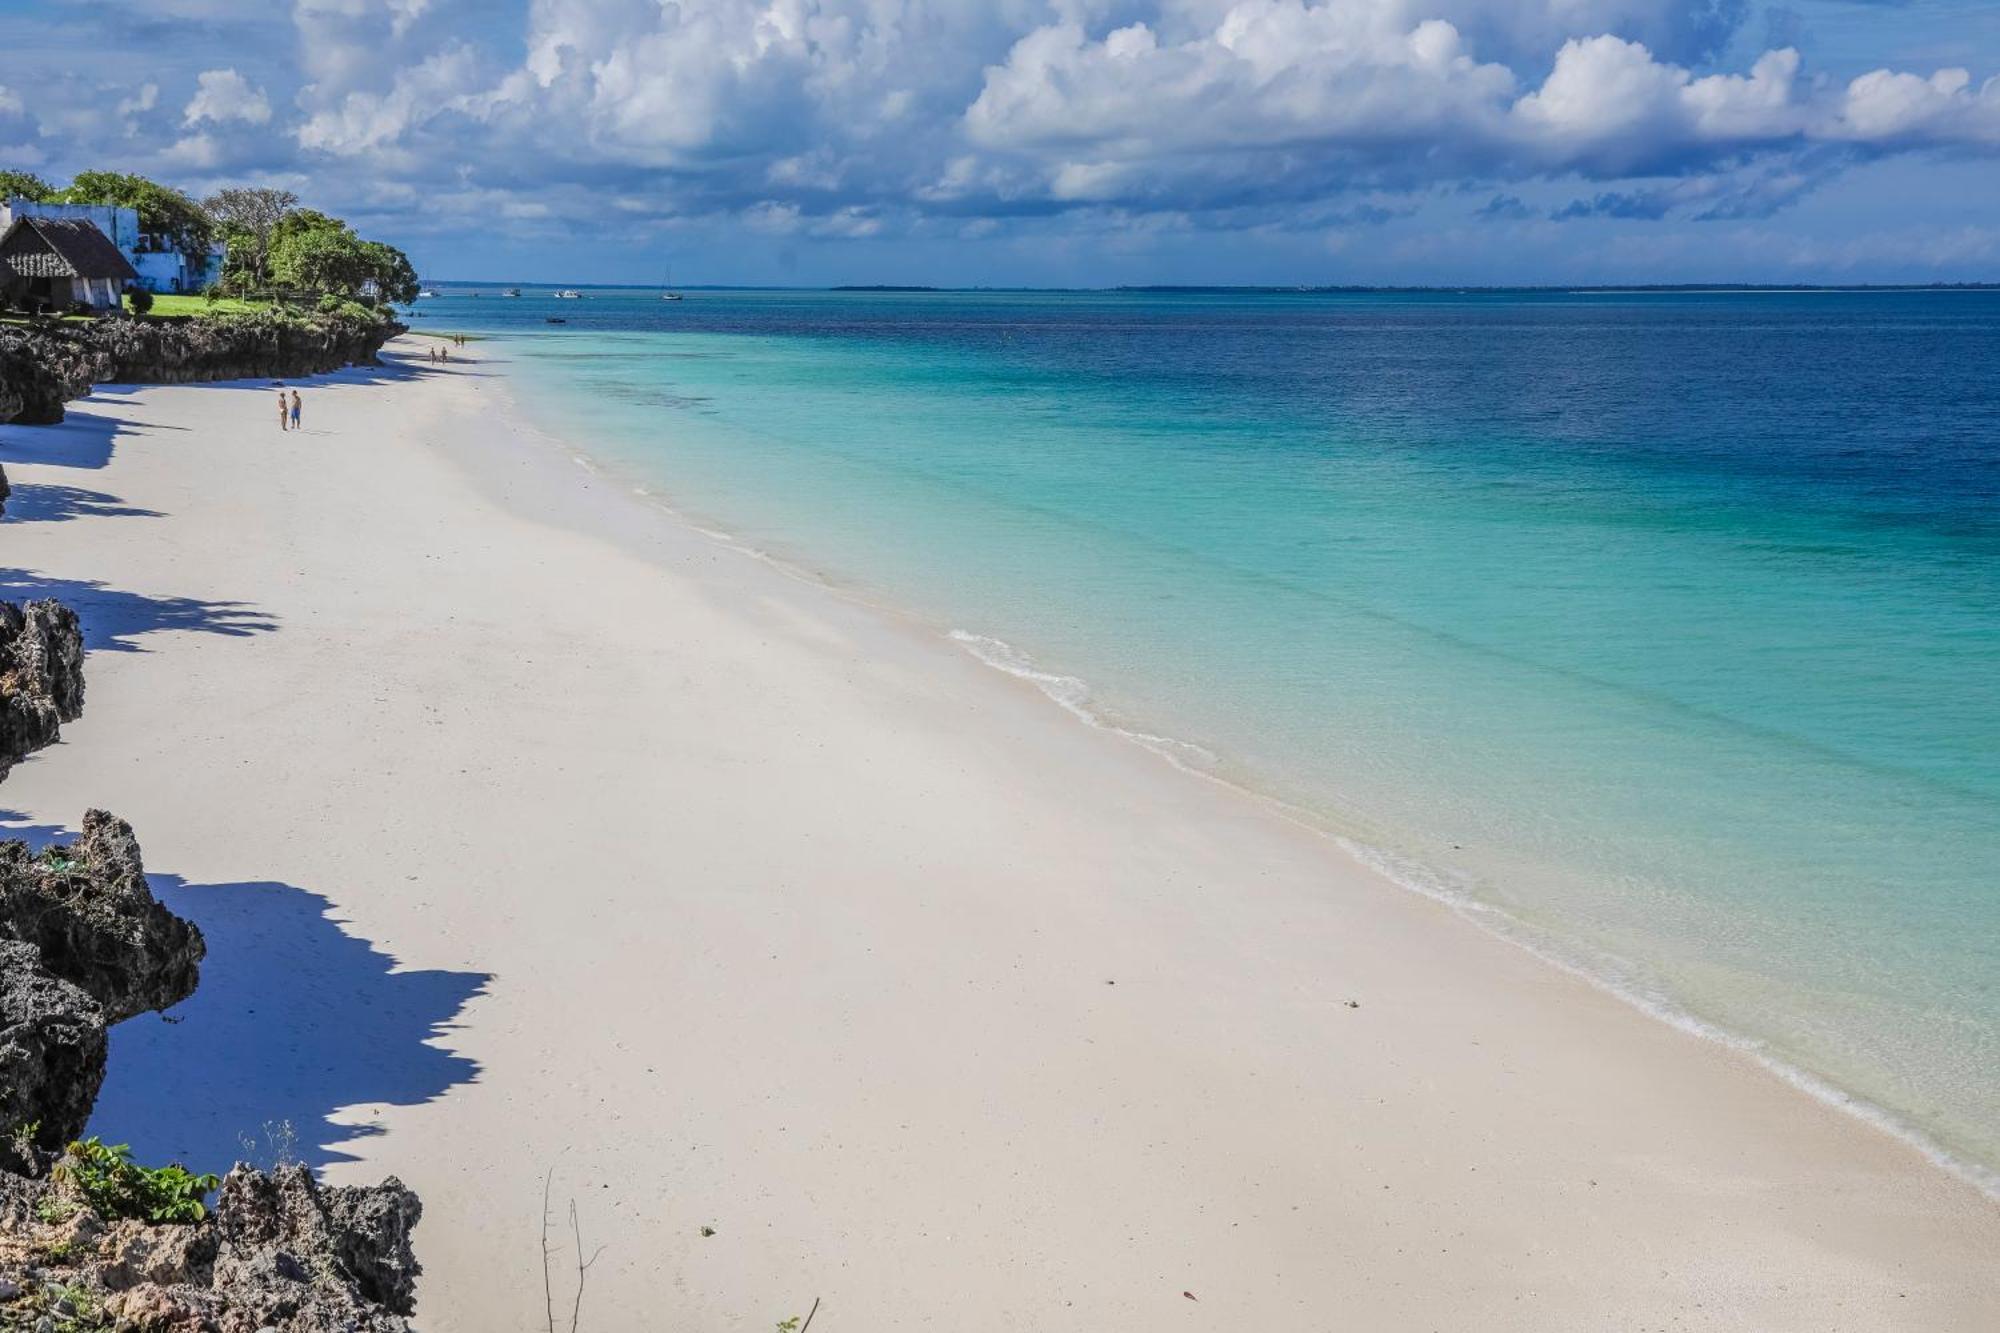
{"x": 534, "y": 830}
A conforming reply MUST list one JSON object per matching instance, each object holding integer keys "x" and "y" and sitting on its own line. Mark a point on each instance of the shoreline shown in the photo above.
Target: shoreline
{"x": 1071, "y": 694}
{"x": 1239, "y": 1072}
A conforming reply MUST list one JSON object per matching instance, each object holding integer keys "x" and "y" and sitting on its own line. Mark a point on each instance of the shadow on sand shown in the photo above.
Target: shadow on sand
{"x": 294, "y": 1019}
{"x": 81, "y": 439}
{"x": 14, "y": 826}
{"x": 113, "y": 619}
{"x": 34, "y": 502}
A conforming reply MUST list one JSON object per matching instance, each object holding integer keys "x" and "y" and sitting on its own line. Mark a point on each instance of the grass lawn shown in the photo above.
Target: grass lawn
{"x": 167, "y": 304}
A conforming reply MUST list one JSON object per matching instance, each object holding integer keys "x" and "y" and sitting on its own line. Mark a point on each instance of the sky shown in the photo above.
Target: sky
{"x": 1058, "y": 142}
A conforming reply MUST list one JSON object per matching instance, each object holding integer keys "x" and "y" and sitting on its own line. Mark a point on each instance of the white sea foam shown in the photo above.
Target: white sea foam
{"x": 1074, "y": 695}
{"x": 1458, "y": 891}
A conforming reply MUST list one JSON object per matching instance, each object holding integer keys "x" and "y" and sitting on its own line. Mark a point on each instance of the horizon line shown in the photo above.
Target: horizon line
{"x": 1242, "y": 288}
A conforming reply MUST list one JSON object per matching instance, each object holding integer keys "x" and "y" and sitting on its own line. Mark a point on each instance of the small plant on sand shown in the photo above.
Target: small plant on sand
{"x": 116, "y": 1186}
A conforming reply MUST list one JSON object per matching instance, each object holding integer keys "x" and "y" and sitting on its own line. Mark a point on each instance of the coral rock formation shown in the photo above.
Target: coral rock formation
{"x": 277, "y": 1251}
{"x": 87, "y": 908}
{"x": 41, "y": 676}
{"x": 42, "y": 367}
{"x": 51, "y": 1056}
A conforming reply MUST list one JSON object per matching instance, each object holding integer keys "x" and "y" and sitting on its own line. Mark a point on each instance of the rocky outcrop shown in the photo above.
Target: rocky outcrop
{"x": 239, "y": 346}
{"x": 288, "y": 1245}
{"x": 51, "y": 1058}
{"x": 83, "y": 944}
{"x": 5, "y": 490}
{"x": 41, "y": 676}
{"x": 87, "y": 908}
{"x": 43, "y": 367}
{"x": 278, "y": 1251}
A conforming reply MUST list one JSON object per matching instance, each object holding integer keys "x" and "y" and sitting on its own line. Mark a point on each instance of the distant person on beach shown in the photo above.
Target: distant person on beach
{"x": 281, "y": 410}
{"x": 295, "y": 409}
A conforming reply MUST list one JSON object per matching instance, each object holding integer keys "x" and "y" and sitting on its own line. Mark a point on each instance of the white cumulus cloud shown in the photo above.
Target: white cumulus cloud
{"x": 224, "y": 95}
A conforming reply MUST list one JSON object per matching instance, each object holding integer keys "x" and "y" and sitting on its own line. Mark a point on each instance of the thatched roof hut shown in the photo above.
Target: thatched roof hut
{"x": 62, "y": 261}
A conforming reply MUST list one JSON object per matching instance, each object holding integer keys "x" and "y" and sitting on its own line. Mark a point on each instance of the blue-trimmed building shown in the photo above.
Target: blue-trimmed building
{"x": 158, "y": 266}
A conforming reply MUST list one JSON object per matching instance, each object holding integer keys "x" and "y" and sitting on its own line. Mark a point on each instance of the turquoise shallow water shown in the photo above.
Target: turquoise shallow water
{"x": 1667, "y": 624}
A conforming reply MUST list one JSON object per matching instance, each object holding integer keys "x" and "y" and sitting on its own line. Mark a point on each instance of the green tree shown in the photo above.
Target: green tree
{"x": 162, "y": 211}
{"x": 302, "y": 220}
{"x": 25, "y": 185}
{"x": 248, "y": 217}
{"x": 395, "y": 277}
{"x": 322, "y": 254}
{"x": 322, "y": 259}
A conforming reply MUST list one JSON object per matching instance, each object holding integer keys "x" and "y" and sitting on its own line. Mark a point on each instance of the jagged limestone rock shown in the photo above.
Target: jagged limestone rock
{"x": 41, "y": 676}
{"x": 42, "y": 367}
{"x": 87, "y": 908}
{"x": 287, "y": 1243}
{"x": 277, "y": 1250}
{"x": 52, "y": 1046}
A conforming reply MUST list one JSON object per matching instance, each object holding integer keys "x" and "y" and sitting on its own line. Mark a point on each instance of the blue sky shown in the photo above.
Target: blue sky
{"x": 1059, "y": 142}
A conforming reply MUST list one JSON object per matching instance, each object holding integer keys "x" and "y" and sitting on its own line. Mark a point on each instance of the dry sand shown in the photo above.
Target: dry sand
{"x": 534, "y": 830}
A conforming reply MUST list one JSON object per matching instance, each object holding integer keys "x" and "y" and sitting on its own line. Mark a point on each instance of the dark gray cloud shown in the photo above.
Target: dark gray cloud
{"x": 1505, "y": 208}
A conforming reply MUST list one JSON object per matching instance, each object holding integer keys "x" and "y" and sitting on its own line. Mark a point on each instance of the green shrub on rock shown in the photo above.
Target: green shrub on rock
{"x": 117, "y": 1187}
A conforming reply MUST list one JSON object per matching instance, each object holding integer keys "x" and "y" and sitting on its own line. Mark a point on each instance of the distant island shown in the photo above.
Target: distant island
{"x": 881, "y": 287}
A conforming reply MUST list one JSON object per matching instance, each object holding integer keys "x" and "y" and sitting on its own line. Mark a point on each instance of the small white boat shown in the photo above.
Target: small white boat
{"x": 667, "y": 292}
{"x": 426, "y": 292}
{"x": 512, "y": 291}
{"x": 569, "y": 294}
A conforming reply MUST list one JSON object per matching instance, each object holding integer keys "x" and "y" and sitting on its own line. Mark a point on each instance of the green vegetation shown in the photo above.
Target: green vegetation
{"x": 165, "y": 304}
{"x": 69, "y": 1307}
{"x": 248, "y": 217}
{"x": 117, "y": 1187}
{"x": 53, "y": 1211}
{"x": 58, "y": 860}
{"x": 275, "y": 250}
{"x": 163, "y": 211}
{"x": 319, "y": 253}
{"x": 25, "y": 185}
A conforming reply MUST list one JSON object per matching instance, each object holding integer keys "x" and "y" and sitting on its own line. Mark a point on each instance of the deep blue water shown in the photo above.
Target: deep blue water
{"x": 1668, "y": 625}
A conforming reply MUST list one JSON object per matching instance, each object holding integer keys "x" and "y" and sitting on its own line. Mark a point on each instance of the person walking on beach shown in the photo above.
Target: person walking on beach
{"x": 295, "y": 410}
{"x": 281, "y": 410}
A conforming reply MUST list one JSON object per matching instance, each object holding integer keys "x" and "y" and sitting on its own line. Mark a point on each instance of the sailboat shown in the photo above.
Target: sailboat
{"x": 667, "y": 292}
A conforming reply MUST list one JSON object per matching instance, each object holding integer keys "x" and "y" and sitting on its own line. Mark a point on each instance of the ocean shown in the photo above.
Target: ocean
{"x": 1660, "y": 631}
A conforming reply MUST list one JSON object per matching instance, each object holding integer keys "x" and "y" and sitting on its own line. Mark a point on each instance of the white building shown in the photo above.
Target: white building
{"x": 160, "y": 267}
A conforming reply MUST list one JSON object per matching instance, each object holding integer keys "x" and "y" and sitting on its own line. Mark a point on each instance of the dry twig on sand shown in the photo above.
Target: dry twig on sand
{"x": 582, "y": 1264}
